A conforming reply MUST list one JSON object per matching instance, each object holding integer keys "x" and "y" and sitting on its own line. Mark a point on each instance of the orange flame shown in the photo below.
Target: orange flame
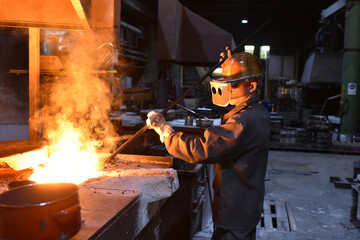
{"x": 74, "y": 111}
{"x": 71, "y": 161}
{"x": 75, "y": 115}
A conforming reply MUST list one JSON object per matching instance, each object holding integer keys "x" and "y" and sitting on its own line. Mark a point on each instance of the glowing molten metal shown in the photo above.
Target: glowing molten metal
{"x": 70, "y": 161}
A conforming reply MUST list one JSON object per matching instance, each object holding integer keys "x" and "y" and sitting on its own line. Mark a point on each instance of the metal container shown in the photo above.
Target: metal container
{"x": 204, "y": 123}
{"x": 189, "y": 121}
{"x": 40, "y": 211}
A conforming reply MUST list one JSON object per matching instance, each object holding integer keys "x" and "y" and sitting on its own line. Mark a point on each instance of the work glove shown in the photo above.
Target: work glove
{"x": 157, "y": 122}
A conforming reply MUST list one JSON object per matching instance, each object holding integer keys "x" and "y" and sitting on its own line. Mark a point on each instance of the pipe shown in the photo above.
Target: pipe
{"x": 130, "y": 27}
{"x": 144, "y": 128}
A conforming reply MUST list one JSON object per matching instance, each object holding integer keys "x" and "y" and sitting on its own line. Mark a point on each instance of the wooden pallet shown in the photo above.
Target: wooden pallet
{"x": 340, "y": 182}
{"x": 277, "y": 215}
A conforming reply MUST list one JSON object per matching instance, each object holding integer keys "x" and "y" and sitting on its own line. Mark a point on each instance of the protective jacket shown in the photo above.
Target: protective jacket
{"x": 239, "y": 147}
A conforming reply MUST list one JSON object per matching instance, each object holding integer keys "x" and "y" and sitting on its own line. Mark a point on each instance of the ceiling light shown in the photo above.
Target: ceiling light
{"x": 244, "y": 21}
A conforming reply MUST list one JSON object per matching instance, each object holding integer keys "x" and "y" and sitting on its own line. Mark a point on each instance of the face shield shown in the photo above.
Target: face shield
{"x": 220, "y": 92}
{"x": 221, "y": 89}
{"x": 236, "y": 69}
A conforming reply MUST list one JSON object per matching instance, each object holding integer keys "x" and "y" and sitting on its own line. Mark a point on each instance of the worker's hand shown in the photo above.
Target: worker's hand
{"x": 157, "y": 122}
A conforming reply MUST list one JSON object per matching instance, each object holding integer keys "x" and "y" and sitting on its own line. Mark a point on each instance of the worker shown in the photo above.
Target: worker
{"x": 238, "y": 147}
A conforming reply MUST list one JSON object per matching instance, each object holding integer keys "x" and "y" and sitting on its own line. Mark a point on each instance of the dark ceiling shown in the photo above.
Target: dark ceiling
{"x": 292, "y": 29}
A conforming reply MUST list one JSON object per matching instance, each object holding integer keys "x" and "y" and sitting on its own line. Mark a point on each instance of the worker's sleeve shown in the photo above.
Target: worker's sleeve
{"x": 216, "y": 143}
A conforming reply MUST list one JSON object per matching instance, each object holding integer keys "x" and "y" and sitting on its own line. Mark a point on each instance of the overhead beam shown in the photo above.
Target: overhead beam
{"x": 53, "y": 14}
{"x": 80, "y": 13}
{"x": 333, "y": 9}
{"x": 34, "y": 83}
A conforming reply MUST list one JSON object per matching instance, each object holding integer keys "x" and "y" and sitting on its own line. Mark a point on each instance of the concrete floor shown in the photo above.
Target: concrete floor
{"x": 297, "y": 183}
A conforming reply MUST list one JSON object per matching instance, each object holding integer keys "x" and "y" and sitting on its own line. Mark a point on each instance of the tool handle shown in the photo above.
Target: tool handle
{"x": 127, "y": 143}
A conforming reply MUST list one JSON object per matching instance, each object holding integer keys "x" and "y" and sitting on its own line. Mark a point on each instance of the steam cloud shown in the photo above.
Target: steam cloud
{"x": 78, "y": 98}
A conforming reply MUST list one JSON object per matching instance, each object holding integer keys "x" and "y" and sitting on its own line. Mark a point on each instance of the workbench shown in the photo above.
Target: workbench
{"x": 130, "y": 122}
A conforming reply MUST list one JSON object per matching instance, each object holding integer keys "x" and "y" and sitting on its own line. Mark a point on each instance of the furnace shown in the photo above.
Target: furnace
{"x": 126, "y": 196}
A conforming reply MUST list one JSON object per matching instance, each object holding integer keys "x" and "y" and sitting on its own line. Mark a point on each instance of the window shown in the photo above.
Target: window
{"x": 264, "y": 52}
{"x": 249, "y": 48}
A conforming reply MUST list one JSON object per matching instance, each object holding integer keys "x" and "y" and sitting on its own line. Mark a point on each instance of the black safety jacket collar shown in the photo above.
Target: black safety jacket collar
{"x": 253, "y": 99}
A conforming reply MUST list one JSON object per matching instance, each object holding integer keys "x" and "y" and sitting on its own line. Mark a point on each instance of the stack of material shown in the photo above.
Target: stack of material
{"x": 287, "y": 135}
{"x": 304, "y": 136}
{"x": 276, "y": 124}
{"x": 275, "y": 130}
{"x": 323, "y": 137}
{"x": 288, "y": 117}
{"x": 320, "y": 125}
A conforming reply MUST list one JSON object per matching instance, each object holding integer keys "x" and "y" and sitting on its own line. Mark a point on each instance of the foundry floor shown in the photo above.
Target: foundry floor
{"x": 307, "y": 204}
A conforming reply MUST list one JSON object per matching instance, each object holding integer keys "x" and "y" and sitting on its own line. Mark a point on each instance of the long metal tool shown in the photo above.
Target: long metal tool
{"x": 189, "y": 110}
{"x": 144, "y": 128}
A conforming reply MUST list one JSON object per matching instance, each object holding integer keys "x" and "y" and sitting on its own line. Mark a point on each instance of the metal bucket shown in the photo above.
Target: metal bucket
{"x": 40, "y": 211}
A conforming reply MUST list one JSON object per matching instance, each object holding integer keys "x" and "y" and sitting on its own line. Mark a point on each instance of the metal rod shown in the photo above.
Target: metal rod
{"x": 127, "y": 143}
{"x": 329, "y": 98}
{"x": 189, "y": 110}
{"x": 144, "y": 128}
{"x": 208, "y": 184}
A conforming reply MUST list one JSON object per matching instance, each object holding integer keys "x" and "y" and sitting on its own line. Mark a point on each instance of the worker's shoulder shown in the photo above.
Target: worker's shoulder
{"x": 253, "y": 112}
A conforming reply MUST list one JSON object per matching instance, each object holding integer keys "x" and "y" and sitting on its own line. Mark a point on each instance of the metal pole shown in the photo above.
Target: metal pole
{"x": 350, "y": 119}
{"x": 354, "y": 204}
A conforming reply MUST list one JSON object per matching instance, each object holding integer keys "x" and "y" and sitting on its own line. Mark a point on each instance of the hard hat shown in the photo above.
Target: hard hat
{"x": 240, "y": 67}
